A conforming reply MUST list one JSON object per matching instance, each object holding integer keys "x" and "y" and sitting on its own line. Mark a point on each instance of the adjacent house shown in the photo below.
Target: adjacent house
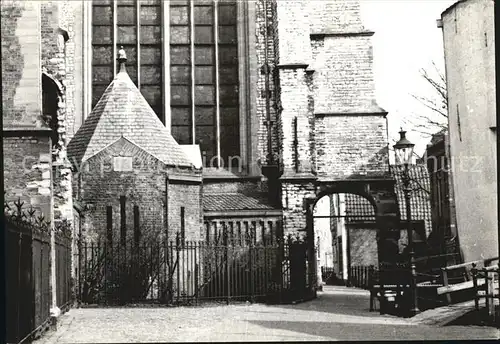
{"x": 469, "y": 49}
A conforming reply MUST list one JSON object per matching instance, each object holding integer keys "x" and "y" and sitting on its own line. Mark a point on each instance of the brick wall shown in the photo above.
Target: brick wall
{"x": 344, "y": 76}
{"x": 27, "y": 172}
{"x": 296, "y": 156}
{"x": 363, "y": 246}
{"x": 21, "y": 87}
{"x": 348, "y": 146}
{"x": 335, "y": 16}
{"x": 187, "y": 196}
{"x": 49, "y": 40}
{"x": 215, "y": 187}
{"x": 144, "y": 186}
{"x": 261, "y": 43}
{"x": 292, "y": 198}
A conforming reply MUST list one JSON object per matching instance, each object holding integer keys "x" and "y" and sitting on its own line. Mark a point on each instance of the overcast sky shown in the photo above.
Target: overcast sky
{"x": 406, "y": 39}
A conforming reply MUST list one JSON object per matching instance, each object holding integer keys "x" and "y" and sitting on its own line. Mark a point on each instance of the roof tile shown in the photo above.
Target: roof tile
{"x": 236, "y": 201}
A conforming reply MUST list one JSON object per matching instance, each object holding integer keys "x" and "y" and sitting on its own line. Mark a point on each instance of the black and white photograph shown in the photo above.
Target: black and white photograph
{"x": 249, "y": 171}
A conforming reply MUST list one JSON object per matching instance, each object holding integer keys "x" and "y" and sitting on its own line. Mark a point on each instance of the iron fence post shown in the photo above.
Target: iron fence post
{"x": 227, "y": 265}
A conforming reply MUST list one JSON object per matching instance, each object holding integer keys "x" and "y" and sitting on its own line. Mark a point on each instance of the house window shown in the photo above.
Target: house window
{"x": 135, "y": 25}
{"x": 204, "y": 99}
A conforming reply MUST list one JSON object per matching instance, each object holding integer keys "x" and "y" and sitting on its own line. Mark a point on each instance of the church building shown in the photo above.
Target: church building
{"x": 248, "y": 111}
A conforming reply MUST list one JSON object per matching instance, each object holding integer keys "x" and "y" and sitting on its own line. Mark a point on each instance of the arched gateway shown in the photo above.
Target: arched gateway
{"x": 379, "y": 192}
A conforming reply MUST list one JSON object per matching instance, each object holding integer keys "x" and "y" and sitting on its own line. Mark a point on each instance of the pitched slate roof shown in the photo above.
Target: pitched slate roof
{"x": 236, "y": 201}
{"x": 420, "y": 203}
{"x": 123, "y": 111}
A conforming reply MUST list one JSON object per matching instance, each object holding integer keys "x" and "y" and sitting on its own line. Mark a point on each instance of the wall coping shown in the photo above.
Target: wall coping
{"x": 330, "y": 33}
{"x": 326, "y": 180}
{"x": 26, "y": 131}
{"x": 185, "y": 178}
{"x": 298, "y": 176}
{"x": 358, "y": 113}
{"x": 292, "y": 65}
{"x": 242, "y": 213}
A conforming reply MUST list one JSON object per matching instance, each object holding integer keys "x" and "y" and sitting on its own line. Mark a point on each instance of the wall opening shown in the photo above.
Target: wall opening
{"x": 50, "y": 106}
{"x": 345, "y": 236}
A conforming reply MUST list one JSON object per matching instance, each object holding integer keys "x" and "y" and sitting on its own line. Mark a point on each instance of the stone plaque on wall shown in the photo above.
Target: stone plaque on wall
{"x": 122, "y": 163}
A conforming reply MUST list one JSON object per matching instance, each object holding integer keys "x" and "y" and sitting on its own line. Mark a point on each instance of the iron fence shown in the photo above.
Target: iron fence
{"x": 28, "y": 272}
{"x": 361, "y": 276}
{"x": 63, "y": 269}
{"x": 328, "y": 275}
{"x": 190, "y": 272}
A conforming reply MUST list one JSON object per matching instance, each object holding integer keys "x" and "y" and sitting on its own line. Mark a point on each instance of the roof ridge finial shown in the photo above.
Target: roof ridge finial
{"x": 122, "y": 59}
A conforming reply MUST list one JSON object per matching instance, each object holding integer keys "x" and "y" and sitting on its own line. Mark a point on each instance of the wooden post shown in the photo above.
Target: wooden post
{"x": 445, "y": 283}
{"x": 487, "y": 290}
{"x": 474, "y": 281}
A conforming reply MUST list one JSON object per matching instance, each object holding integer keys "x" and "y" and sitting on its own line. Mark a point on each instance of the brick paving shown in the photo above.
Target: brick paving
{"x": 337, "y": 314}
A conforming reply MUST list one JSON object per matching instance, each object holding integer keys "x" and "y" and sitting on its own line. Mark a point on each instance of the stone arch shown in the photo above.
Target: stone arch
{"x": 381, "y": 194}
{"x": 348, "y": 239}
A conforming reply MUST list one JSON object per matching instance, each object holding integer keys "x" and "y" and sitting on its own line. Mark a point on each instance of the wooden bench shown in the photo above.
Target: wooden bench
{"x": 447, "y": 288}
{"x": 486, "y": 285}
{"x": 385, "y": 294}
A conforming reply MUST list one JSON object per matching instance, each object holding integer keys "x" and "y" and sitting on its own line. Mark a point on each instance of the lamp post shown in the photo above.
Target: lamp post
{"x": 404, "y": 151}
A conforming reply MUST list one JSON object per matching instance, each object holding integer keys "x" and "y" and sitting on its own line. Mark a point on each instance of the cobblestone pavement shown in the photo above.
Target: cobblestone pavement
{"x": 337, "y": 314}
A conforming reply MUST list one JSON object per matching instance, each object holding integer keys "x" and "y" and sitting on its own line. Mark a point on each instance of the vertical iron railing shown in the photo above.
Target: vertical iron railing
{"x": 28, "y": 272}
{"x": 192, "y": 271}
{"x": 359, "y": 276}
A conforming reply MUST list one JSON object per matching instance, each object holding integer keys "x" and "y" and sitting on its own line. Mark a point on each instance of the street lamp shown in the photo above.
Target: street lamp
{"x": 404, "y": 151}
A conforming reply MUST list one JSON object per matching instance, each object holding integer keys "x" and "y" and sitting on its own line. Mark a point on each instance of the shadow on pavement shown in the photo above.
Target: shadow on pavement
{"x": 339, "y": 301}
{"x": 373, "y": 332}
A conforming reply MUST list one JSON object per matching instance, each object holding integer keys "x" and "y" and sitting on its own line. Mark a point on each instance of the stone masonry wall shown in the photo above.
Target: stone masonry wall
{"x": 189, "y": 197}
{"x": 215, "y": 187}
{"x": 296, "y": 156}
{"x": 261, "y": 43}
{"x": 145, "y": 186}
{"x": 27, "y": 172}
{"x": 21, "y": 86}
{"x": 335, "y": 16}
{"x": 56, "y": 59}
{"x": 293, "y": 195}
{"x": 350, "y": 146}
{"x": 363, "y": 246}
{"x": 344, "y": 76}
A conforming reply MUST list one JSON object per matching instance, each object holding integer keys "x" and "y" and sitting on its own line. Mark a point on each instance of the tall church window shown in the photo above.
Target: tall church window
{"x": 204, "y": 95}
{"x": 135, "y": 25}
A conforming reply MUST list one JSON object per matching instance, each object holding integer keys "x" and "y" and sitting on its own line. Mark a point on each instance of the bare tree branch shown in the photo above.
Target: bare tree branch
{"x": 428, "y": 123}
